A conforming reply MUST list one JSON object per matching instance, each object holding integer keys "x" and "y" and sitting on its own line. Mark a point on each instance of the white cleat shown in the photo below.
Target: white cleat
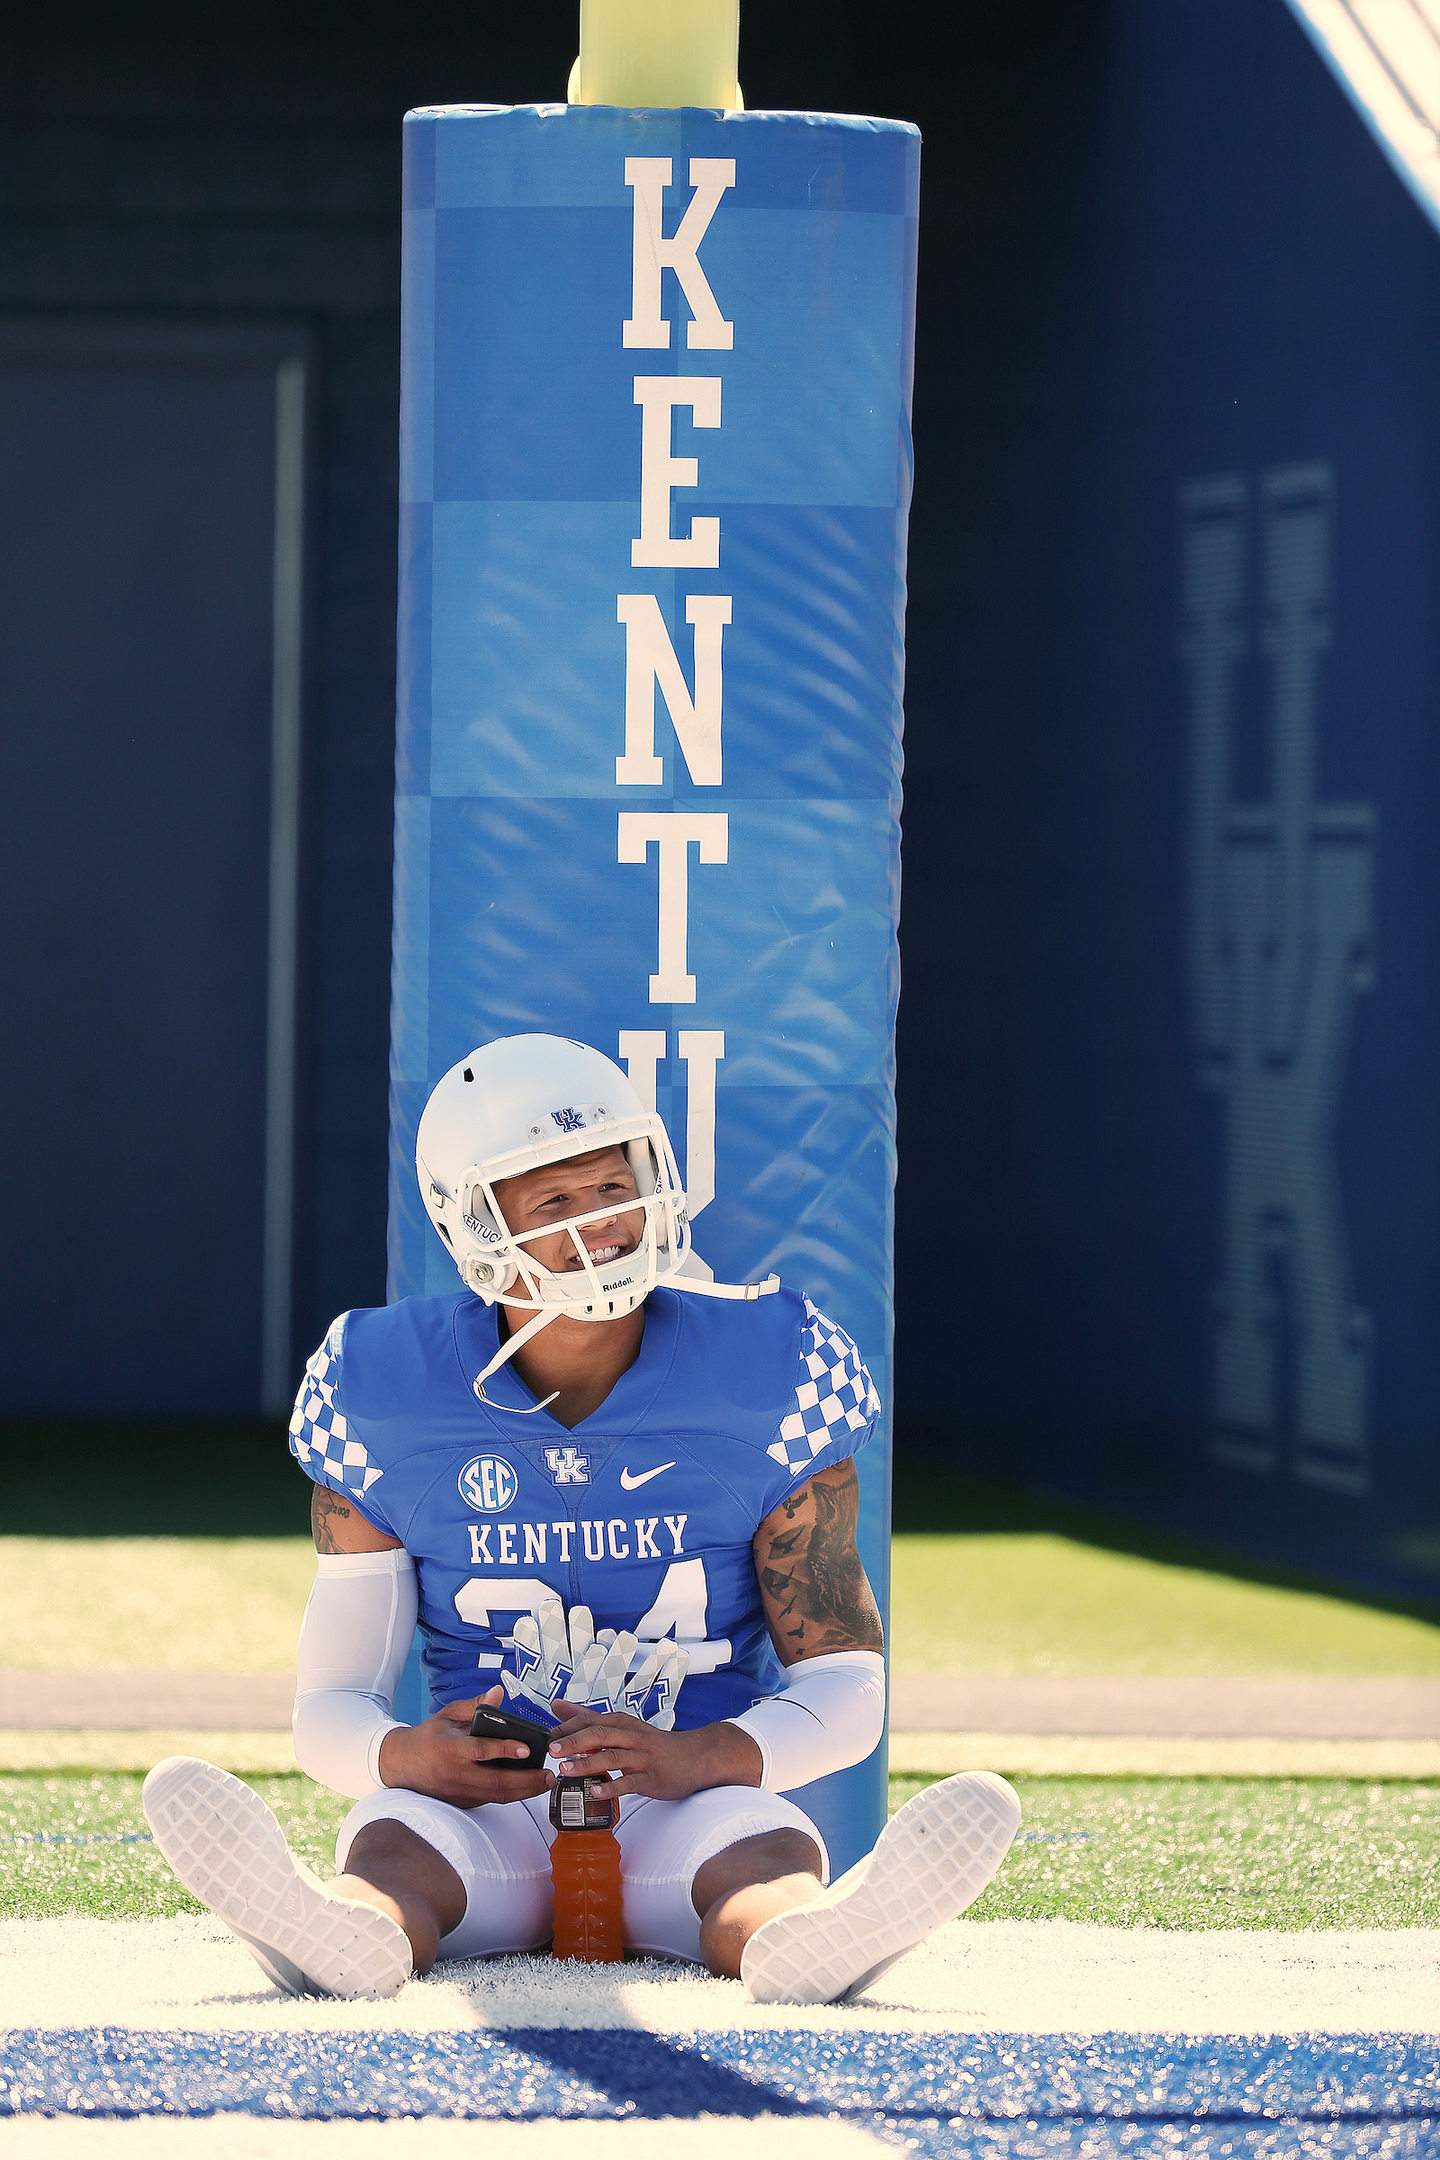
{"x": 226, "y": 1847}
{"x": 932, "y": 1859}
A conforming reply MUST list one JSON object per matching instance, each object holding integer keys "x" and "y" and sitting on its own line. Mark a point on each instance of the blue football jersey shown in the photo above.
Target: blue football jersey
{"x": 644, "y": 1512}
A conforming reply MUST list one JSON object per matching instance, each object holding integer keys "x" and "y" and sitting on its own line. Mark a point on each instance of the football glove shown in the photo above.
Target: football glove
{"x": 582, "y": 1666}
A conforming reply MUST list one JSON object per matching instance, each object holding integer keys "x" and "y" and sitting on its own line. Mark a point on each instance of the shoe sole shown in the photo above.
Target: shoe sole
{"x": 227, "y": 1848}
{"x": 932, "y": 1859}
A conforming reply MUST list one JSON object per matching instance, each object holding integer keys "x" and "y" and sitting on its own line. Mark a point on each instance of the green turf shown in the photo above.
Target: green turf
{"x": 1219, "y": 1853}
{"x": 80, "y": 1844}
{"x": 1128, "y": 1852}
{"x": 989, "y": 1580}
{"x": 1036, "y": 1602}
{"x": 992, "y": 1602}
{"x": 136, "y": 1563}
{"x": 179, "y": 1604}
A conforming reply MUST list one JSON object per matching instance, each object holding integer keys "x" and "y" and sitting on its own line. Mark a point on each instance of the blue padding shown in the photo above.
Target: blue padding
{"x": 521, "y": 457}
{"x": 936, "y": 2093}
{"x": 413, "y": 1701}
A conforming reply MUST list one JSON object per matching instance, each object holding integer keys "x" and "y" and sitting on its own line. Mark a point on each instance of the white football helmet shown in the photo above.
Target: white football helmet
{"x": 517, "y": 1104}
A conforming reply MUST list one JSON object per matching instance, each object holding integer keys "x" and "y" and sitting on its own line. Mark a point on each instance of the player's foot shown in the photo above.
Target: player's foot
{"x": 932, "y": 1859}
{"x": 226, "y": 1847}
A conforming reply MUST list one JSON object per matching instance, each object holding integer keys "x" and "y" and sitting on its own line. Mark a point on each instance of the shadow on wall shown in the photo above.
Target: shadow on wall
{"x": 238, "y": 1479}
{"x": 170, "y": 1479}
{"x": 1179, "y": 842}
{"x": 935, "y": 1501}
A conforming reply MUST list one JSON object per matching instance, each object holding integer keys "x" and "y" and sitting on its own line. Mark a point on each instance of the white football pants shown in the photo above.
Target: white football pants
{"x": 501, "y": 1853}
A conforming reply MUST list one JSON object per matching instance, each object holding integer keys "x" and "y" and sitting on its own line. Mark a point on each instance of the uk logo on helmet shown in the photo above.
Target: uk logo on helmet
{"x": 488, "y": 1483}
{"x": 568, "y": 1120}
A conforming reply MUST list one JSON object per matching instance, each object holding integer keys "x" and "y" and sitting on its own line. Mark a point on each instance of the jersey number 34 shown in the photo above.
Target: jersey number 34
{"x": 678, "y": 1612}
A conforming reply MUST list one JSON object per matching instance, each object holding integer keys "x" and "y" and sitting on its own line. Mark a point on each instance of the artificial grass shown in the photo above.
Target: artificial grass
{"x": 1007, "y": 1602}
{"x": 1126, "y": 1852}
{"x": 997, "y": 1601}
{"x": 989, "y": 1579}
{"x": 160, "y": 1604}
{"x": 1219, "y": 1853}
{"x": 81, "y": 1844}
{"x": 130, "y": 1571}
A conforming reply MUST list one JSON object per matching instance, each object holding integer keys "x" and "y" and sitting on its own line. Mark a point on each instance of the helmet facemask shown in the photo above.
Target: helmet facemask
{"x": 496, "y": 1262}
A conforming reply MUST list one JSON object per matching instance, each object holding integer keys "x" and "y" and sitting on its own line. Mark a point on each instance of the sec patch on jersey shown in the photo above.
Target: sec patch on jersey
{"x": 488, "y": 1483}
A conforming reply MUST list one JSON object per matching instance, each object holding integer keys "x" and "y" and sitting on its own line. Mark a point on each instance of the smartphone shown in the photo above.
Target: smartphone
{"x": 489, "y": 1723}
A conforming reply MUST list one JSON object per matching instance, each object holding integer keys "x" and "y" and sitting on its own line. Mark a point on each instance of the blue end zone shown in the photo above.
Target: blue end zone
{"x": 931, "y": 2093}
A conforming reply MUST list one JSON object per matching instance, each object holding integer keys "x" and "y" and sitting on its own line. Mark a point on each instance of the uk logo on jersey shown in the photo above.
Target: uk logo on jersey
{"x": 567, "y": 1466}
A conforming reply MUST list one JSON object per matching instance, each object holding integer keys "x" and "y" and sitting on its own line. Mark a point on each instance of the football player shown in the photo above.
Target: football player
{"x": 621, "y": 1500}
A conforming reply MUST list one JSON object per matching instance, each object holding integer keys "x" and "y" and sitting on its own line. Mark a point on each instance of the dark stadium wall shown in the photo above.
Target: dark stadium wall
{"x": 235, "y": 165}
{"x": 240, "y": 165}
{"x": 1157, "y": 249}
{"x": 1181, "y": 1092}
{"x": 138, "y": 468}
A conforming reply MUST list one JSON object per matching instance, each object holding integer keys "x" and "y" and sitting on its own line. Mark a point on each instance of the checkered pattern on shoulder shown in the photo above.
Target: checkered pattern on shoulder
{"x": 838, "y": 1396}
{"x": 319, "y": 1438}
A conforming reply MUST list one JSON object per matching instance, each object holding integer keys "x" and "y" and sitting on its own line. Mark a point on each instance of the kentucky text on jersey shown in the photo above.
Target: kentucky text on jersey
{"x": 727, "y": 1410}
{"x": 611, "y": 1537}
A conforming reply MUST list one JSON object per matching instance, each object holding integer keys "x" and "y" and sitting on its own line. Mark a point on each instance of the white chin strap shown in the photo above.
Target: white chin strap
{"x": 507, "y": 1351}
{"x": 695, "y": 1284}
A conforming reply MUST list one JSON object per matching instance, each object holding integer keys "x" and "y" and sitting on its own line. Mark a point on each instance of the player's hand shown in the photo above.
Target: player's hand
{"x": 590, "y": 1742}
{"x": 441, "y": 1759}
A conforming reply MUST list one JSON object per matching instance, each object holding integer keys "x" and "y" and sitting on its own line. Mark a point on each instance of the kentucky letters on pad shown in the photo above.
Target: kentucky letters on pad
{"x": 655, "y": 479}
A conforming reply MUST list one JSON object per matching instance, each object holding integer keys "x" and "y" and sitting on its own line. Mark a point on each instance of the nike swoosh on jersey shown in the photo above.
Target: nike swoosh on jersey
{"x": 632, "y": 1484}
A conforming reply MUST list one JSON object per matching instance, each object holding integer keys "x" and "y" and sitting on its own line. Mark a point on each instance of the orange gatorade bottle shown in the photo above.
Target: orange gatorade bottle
{"x": 585, "y": 1871}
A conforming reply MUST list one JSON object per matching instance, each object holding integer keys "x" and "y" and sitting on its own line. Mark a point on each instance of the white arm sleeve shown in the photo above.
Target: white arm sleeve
{"x": 829, "y": 1715}
{"x": 354, "y": 1641}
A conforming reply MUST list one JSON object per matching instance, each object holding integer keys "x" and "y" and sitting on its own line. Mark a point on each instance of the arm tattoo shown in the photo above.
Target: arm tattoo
{"x": 325, "y": 1506}
{"x": 819, "y": 1599}
{"x": 785, "y": 1544}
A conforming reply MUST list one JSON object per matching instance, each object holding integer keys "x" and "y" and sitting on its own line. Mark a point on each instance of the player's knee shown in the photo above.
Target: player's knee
{"x": 770, "y": 1856}
{"x": 783, "y": 1851}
